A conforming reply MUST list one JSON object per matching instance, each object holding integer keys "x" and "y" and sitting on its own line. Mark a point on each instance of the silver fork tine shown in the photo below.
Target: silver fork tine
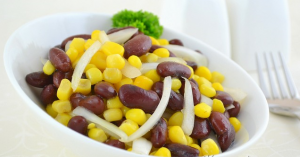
{"x": 271, "y": 78}
{"x": 288, "y": 77}
{"x": 279, "y": 80}
{"x": 261, "y": 78}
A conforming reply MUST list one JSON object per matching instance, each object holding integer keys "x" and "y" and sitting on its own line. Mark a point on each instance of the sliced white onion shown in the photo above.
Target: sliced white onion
{"x": 188, "y": 54}
{"x": 148, "y": 125}
{"x": 172, "y": 59}
{"x": 141, "y": 146}
{"x": 84, "y": 60}
{"x": 148, "y": 66}
{"x": 207, "y": 100}
{"x": 188, "y": 109}
{"x": 67, "y": 45}
{"x": 122, "y": 36}
{"x": 108, "y": 127}
{"x": 130, "y": 71}
{"x": 237, "y": 94}
{"x": 230, "y": 107}
{"x": 241, "y": 137}
{"x": 103, "y": 37}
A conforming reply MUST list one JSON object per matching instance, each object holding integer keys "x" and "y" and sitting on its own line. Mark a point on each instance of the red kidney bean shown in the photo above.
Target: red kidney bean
{"x": 135, "y": 97}
{"x": 75, "y": 99}
{"x": 38, "y": 79}
{"x": 201, "y": 128}
{"x": 194, "y": 81}
{"x": 113, "y": 30}
{"x": 84, "y": 36}
{"x": 224, "y": 97}
{"x": 180, "y": 150}
{"x": 60, "y": 60}
{"x": 173, "y": 69}
{"x": 159, "y": 133}
{"x": 219, "y": 122}
{"x": 115, "y": 143}
{"x": 78, "y": 124}
{"x": 105, "y": 90}
{"x": 195, "y": 90}
{"x": 138, "y": 45}
{"x": 226, "y": 139}
{"x": 176, "y": 99}
{"x": 234, "y": 112}
{"x": 176, "y": 42}
{"x": 59, "y": 75}
{"x": 119, "y": 122}
{"x": 154, "y": 47}
{"x": 192, "y": 64}
{"x": 48, "y": 94}
{"x": 226, "y": 114}
{"x": 93, "y": 103}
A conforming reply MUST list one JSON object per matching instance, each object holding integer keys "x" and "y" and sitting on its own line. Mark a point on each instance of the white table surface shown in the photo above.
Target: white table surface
{"x": 21, "y": 135}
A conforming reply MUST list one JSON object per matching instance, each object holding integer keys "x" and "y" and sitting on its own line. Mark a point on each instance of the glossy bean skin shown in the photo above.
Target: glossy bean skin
{"x": 115, "y": 143}
{"x": 224, "y": 97}
{"x": 234, "y": 112}
{"x": 173, "y": 69}
{"x": 159, "y": 133}
{"x": 192, "y": 64}
{"x": 48, "y": 94}
{"x": 180, "y": 150}
{"x": 138, "y": 45}
{"x": 93, "y": 103}
{"x": 201, "y": 128}
{"x": 226, "y": 139}
{"x": 105, "y": 90}
{"x": 135, "y": 97}
{"x": 60, "y": 60}
{"x": 38, "y": 79}
{"x": 219, "y": 122}
{"x": 75, "y": 99}
{"x": 59, "y": 75}
{"x": 176, "y": 42}
{"x": 64, "y": 42}
{"x": 176, "y": 100}
{"x": 78, "y": 124}
{"x": 226, "y": 114}
{"x": 154, "y": 47}
{"x": 195, "y": 90}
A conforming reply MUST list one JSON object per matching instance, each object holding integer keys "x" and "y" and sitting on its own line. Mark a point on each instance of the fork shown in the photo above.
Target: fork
{"x": 283, "y": 98}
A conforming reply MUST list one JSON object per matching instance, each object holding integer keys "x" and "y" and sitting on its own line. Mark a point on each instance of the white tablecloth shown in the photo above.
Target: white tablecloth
{"x": 22, "y": 135}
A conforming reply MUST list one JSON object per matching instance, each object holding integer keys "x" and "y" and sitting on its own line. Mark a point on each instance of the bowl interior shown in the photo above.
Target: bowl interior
{"x": 31, "y": 42}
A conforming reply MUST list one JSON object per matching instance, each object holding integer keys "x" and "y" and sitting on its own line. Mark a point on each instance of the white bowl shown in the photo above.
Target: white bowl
{"x": 32, "y": 42}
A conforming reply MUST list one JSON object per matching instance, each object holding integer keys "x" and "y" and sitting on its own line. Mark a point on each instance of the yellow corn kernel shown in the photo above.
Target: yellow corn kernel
{"x": 110, "y": 48}
{"x": 97, "y": 134}
{"x": 163, "y": 41}
{"x": 176, "y": 119}
{"x": 201, "y": 80}
{"x": 72, "y": 53}
{"x": 78, "y": 44}
{"x": 152, "y": 153}
{"x": 135, "y": 61}
{"x": 51, "y": 111}
{"x": 202, "y": 110}
{"x": 176, "y": 84}
{"x": 96, "y": 35}
{"x": 153, "y": 75}
{"x": 162, "y": 52}
{"x": 217, "y": 77}
{"x": 64, "y": 90}
{"x": 143, "y": 82}
{"x": 124, "y": 109}
{"x": 148, "y": 115}
{"x": 176, "y": 135}
{"x": 163, "y": 151}
{"x": 89, "y": 66}
{"x": 235, "y": 123}
{"x": 99, "y": 60}
{"x": 151, "y": 58}
{"x": 63, "y": 118}
{"x": 136, "y": 115}
{"x": 129, "y": 126}
{"x": 217, "y": 86}
{"x": 91, "y": 126}
{"x": 203, "y": 71}
{"x": 129, "y": 149}
{"x": 123, "y": 82}
{"x": 113, "y": 114}
{"x": 88, "y": 43}
{"x": 94, "y": 75}
{"x": 48, "y": 68}
{"x": 115, "y": 61}
{"x": 197, "y": 147}
{"x": 218, "y": 106}
{"x": 154, "y": 41}
{"x": 112, "y": 75}
{"x": 143, "y": 58}
{"x": 209, "y": 147}
{"x": 84, "y": 87}
{"x": 207, "y": 90}
{"x": 62, "y": 106}
{"x": 189, "y": 140}
{"x": 114, "y": 103}
{"x": 192, "y": 71}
